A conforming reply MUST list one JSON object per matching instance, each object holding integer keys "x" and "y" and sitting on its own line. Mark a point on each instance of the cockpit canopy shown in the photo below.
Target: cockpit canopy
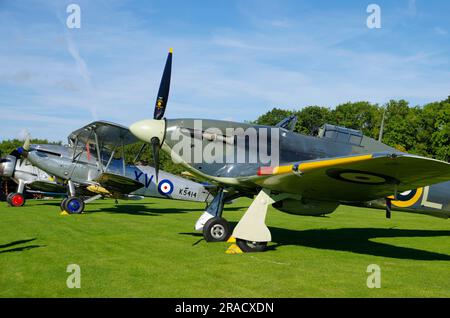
{"x": 341, "y": 134}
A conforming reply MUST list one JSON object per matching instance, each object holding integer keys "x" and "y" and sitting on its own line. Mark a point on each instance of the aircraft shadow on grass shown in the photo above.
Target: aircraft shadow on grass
{"x": 355, "y": 240}
{"x": 359, "y": 240}
{"x": 144, "y": 210}
{"x": 18, "y": 249}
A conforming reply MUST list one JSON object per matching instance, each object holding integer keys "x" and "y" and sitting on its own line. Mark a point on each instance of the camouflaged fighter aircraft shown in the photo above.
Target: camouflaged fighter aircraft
{"x": 315, "y": 174}
{"x": 89, "y": 168}
{"x": 27, "y": 177}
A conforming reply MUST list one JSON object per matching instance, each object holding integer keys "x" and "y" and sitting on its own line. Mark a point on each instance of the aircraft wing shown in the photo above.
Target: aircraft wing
{"x": 117, "y": 183}
{"x": 354, "y": 178}
{"x": 47, "y": 186}
{"x": 109, "y": 134}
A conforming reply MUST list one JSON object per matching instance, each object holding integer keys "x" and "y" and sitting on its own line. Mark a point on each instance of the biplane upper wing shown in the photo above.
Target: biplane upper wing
{"x": 107, "y": 133}
{"x": 354, "y": 178}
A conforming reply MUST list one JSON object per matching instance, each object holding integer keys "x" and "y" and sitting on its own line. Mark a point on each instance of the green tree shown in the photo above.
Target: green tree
{"x": 401, "y": 125}
{"x": 7, "y": 146}
{"x": 362, "y": 116}
{"x": 311, "y": 118}
{"x": 273, "y": 117}
{"x": 440, "y": 136}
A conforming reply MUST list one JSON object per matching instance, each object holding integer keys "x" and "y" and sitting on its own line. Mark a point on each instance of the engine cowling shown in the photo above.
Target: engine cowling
{"x": 7, "y": 166}
{"x": 305, "y": 207}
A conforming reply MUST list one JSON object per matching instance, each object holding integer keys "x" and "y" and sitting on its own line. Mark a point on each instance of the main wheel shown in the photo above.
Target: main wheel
{"x": 17, "y": 199}
{"x": 73, "y": 205}
{"x": 249, "y": 247}
{"x": 216, "y": 230}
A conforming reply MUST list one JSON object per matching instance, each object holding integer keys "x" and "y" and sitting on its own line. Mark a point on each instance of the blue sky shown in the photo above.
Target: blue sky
{"x": 233, "y": 60}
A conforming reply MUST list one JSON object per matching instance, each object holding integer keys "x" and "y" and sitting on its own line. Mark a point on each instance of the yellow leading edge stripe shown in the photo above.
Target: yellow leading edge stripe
{"x": 320, "y": 164}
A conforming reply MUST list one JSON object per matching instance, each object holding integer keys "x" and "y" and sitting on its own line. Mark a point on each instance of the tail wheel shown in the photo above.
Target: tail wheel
{"x": 73, "y": 205}
{"x": 16, "y": 199}
{"x": 216, "y": 230}
{"x": 249, "y": 247}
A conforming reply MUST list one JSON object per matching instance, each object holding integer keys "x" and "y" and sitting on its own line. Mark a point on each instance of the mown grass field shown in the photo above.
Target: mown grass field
{"x": 149, "y": 249}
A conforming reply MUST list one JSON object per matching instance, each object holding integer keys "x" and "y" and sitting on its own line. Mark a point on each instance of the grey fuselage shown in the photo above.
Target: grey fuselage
{"x": 293, "y": 147}
{"x": 84, "y": 168}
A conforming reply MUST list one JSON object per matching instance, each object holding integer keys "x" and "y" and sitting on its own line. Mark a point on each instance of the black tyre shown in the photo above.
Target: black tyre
{"x": 61, "y": 205}
{"x": 8, "y": 198}
{"x": 216, "y": 230}
{"x": 250, "y": 247}
{"x": 73, "y": 205}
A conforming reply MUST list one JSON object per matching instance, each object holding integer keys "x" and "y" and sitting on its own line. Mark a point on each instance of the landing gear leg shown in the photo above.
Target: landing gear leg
{"x": 72, "y": 204}
{"x": 251, "y": 233}
{"x": 214, "y": 227}
{"x": 17, "y": 199}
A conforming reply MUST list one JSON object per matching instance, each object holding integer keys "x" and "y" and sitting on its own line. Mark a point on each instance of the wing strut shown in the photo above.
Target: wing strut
{"x": 138, "y": 156}
{"x": 97, "y": 146}
{"x": 111, "y": 157}
{"x": 123, "y": 158}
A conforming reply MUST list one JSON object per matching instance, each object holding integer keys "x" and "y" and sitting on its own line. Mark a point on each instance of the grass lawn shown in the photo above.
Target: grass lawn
{"x": 149, "y": 249}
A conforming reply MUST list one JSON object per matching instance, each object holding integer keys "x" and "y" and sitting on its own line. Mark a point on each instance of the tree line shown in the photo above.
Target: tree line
{"x": 422, "y": 130}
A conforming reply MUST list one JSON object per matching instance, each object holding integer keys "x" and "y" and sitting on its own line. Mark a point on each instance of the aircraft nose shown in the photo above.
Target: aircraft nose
{"x": 145, "y": 130}
{"x": 7, "y": 166}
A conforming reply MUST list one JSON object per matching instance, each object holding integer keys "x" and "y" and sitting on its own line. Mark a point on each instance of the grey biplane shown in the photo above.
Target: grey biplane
{"x": 27, "y": 177}
{"x": 93, "y": 166}
{"x": 313, "y": 175}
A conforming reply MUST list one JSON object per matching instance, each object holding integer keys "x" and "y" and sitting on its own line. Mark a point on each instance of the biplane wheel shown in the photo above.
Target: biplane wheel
{"x": 216, "y": 230}
{"x": 73, "y": 205}
{"x": 249, "y": 247}
{"x": 16, "y": 199}
{"x": 8, "y": 198}
{"x": 61, "y": 205}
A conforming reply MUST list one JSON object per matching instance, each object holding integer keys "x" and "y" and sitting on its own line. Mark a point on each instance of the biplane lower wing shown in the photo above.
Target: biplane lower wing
{"x": 47, "y": 186}
{"x": 355, "y": 178}
{"x": 115, "y": 183}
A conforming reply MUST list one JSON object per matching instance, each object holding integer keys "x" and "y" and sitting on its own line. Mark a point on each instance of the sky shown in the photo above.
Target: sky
{"x": 233, "y": 59}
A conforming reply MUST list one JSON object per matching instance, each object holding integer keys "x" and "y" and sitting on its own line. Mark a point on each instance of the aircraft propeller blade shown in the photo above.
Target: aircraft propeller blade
{"x": 26, "y": 144}
{"x": 23, "y": 151}
{"x": 164, "y": 87}
{"x": 155, "y": 149}
{"x": 153, "y": 131}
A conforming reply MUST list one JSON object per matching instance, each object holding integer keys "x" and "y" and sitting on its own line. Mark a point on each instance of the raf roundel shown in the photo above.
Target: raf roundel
{"x": 165, "y": 187}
